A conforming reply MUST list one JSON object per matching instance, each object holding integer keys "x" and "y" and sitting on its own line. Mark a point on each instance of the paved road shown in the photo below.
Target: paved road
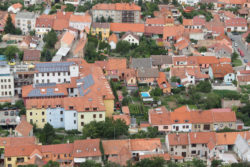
{"x": 241, "y": 45}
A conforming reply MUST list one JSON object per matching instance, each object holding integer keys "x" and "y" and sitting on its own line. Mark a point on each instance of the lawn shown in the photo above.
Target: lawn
{"x": 237, "y": 62}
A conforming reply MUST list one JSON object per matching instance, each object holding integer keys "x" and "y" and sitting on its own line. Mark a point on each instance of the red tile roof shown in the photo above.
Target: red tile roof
{"x": 159, "y": 116}
{"x": 113, "y": 37}
{"x": 165, "y": 156}
{"x": 236, "y": 22}
{"x": 126, "y": 27}
{"x": 31, "y": 55}
{"x": 17, "y": 5}
{"x": 117, "y": 6}
{"x": 124, "y": 117}
{"x": 116, "y": 64}
{"x": 178, "y": 139}
{"x": 154, "y": 29}
{"x": 80, "y": 18}
{"x": 145, "y": 144}
{"x": 172, "y": 31}
{"x": 24, "y": 128}
{"x": 44, "y": 22}
{"x": 220, "y": 70}
{"x": 19, "y": 150}
{"x": 87, "y": 148}
{"x": 14, "y": 141}
{"x": 58, "y": 148}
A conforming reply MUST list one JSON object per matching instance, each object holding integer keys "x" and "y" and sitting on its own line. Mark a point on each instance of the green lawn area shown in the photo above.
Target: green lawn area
{"x": 237, "y": 62}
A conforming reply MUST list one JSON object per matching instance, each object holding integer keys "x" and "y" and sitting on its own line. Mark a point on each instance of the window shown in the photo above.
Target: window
{"x": 65, "y": 155}
{"x": 61, "y": 119}
{"x": 82, "y": 116}
{"x": 94, "y": 115}
{"x": 206, "y": 127}
{"x": 193, "y": 145}
{"x": 31, "y": 121}
{"x": 183, "y": 147}
{"x": 172, "y": 149}
{"x": 82, "y": 123}
{"x": 43, "y": 120}
{"x": 165, "y": 127}
{"x": 183, "y": 126}
{"x": 199, "y": 126}
{"x": 30, "y": 113}
{"x": 61, "y": 112}
{"x": 6, "y": 113}
{"x": 9, "y": 159}
{"x": 43, "y": 113}
{"x": 74, "y": 121}
{"x": 95, "y": 109}
{"x": 71, "y": 107}
{"x": 100, "y": 115}
{"x": 193, "y": 152}
{"x": 74, "y": 114}
{"x": 87, "y": 109}
{"x": 187, "y": 126}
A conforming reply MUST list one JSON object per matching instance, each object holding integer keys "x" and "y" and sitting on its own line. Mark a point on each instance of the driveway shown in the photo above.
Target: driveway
{"x": 241, "y": 45}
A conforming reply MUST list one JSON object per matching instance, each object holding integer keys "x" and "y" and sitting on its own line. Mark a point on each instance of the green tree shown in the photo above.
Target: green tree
{"x": 216, "y": 163}
{"x": 50, "y": 39}
{"x": 112, "y": 164}
{"x": 234, "y": 56}
{"x": 90, "y": 163}
{"x": 69, "y": 8}
{"x": 123, "y": 47}
{"x": 210, "y": 6}
{"x": 9, "y": 26}
{"x": 248, "y": 38}
{"x": 52, "y": 164}
{"x": 175, "y": 79}
{"x": 110, "y": 20}
{"x": 156, "y": 92}
{"x": 212, "y": 101}
{"x": 202, "y": 49}
{"x": 204, "y": 86}
{"x": 48, "y": 134}
{"x": 156, "y": 161}
{"x": 11, "y": 52}
{"x": 103, "y": 20}
{"x": 198, "y": 163}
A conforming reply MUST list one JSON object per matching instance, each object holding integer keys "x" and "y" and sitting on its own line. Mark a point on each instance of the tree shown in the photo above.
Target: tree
{"x": 248, "y": 38}
{"x": 156, "y": 161}
{"x": 202, "y": 49}
{"x": 216, "y": 163}
{"x": 123, "y": 47}
{"x": 69, "y": 8}
{"x": 180, "y": 19}
{"x": 10, "y": 52}
{"x": 198, "y": 163}
{"x": 52, "y": 164}
{"x": 234, "y": 56}
{"x": 48, "y": 134}
{"x": 212, "y": 101}
{"x": 210, "y": 6}
{"x": 50, "y": 39}
{"x": 9, "y": 26}
{"x": 90, "y": 163}
{"x": 112, "y": 164}
{"x": 204, "y": 86}
{"x": 110, "y": 20}
{"x": 156, "y": 92}
{"x": 103, "y": 20}
{"x": 175, "y": 79}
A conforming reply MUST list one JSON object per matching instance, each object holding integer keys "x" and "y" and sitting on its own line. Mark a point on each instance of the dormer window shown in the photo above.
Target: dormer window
{"x": 95, "y": 109}
{"x": 86, "y": 109}
{"x": 186, "y": 121}
{"x": 71, "y": 107}
{"x": 176, "y": 120}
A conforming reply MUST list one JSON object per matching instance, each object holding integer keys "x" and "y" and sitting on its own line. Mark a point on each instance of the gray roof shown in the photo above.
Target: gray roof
{"x": 86, "y": 83}
{"x": 161, "y": 59}
{"x": 25, "y": 15}
{"x": 54, "y": 67}
{"x": 147, "y": 73}
{"x": 141, "y": 63}
{"x": 49, "y": 92}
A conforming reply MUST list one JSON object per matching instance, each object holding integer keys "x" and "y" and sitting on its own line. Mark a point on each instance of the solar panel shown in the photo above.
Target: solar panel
{"x": 53, "y": 67}
{"x": 49, "y": 92}
{"x": 40, "y": 85}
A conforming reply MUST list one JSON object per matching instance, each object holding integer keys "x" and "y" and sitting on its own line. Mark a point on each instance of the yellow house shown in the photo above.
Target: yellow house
{"x": 101, "y": 28}
{"x": 36, "y": 116}
{"x": 86, "y": 117}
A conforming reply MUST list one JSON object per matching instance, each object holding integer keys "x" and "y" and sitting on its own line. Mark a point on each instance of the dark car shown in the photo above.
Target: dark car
{"x": 245, "y": 61}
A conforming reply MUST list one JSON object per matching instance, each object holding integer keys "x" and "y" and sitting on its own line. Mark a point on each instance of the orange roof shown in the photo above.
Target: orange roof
{"x": 229, "y": 138}
{"x": 156, "y": 20}
{"x": 80, "y": 46}
{"x": 58, "y": 148}
{"x": 172, "y": 31}
{"x": 223, "y": 115}
{"x": 159, "y": 116}
{"x": 145, "y": 144}
{"x": 202, "y": 116}
{"x": 19, "y": 150}
{"x": 181, "y": 115}
{"x": 125, "y": 110}
{"x": 207, "y": 60}
{"x": 116, "y": 64}
{"x": 114, "y": 146}
{"x": 15, "y": 141}
{"x": 126, "y": 27}
{"x": 60, "y": 24}
{"x": 86, "y": 148}
{"x": 187, "y": 22}
{"x": 113, "y": 38}
{"x": 24, "y": 128}
{"x": 201, "y": 137}
{"x": 182, "y": 44}
{"x": 80, "y": 18}
{"x": 220, "y": 70}
{"x": 117, "y": 6}
{"x": 178, "y": 139}
{"x": 126, "y": 118}
{"x": 68, "y": 38}
{"x": 17, "y": 5}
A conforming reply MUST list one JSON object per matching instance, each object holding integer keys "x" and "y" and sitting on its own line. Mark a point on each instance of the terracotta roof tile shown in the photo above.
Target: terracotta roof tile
{"x": 236, "y": 22}
{"x": 162, "y": 81}
{"x": 159, "y": 116}
{"x": 80, "y": 18}
{"x": 17, "y": 5}
{"x": 114, "y": 146}
{"x": 19, "y": 150}
{"x": 68, "y": 38}
{"x": 31, "y": 55}
{"x": 145, "y": 144}
{"x": 220, "y": 70}
{"x": 154, "y": 29}
{"x": 86, "y": 148}
{"x": 125, "y": 110}
{"x": 116, "y": 64}
{"x": 113, "y": 37}
{"x": 178, "y": 139}
{"x": 58, "y": 148}
{"x": 125, "y": 27}
{"x": 124, "y": 117}
{"x": 165, "y": 156}
{"x": 24, "y": 128}
{"x": 15, "y": 141}
{"x": 229, "y": 138}
{"x": 172, "y": 31}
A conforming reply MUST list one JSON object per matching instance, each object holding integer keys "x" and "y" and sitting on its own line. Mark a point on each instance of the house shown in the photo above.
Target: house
{"x": 9, "y": 116}
{"x": 136, "y": 28}
{"x": 29, "y": 42}
{"x": 171, "y": 32}
{"x": 67, "y": 40}
{"x": 221, "y": 50}
{"x": 223, "y": 72}
{"x": 31, "y": 2}
{"x": 24, "y": 128}
{"x": 182, "y": 46}
{"x": 7, "y": 80}
{"x": 80, "y": 22}
{"x": 31, "y": 56}
{"x": 129, "y": 77}
{"x": 160, "y": 118}
{"x": 73, "y": 2}
{"x": 61, "y": 21}
{"x": 198, "y": 22}
{"x": 147, "y": 76}
{"x": 131, "y": 38}
{"x": 161, "y": 62}
{"x": 197, "y": 34}
{"x": 26, "y": 21}
{"x": 113, "y": 39}
{"x": 243, "y": 77}
{"x": 236, "y": 24}
{"x": 114, "y": 67}
{"x": 79, "y": 49}
{"x": 242, "y": 148}
{"x": 117, "y": 12}
{"x": 102, "y": 29}
{"x": 44, "y": 24}
{"x": 87, "y": 150}
{"x": 189, "y": 2}
{"x": 15, "y": 8}
{"x": 163, "y": 83}
{"x": 136, "y": 63}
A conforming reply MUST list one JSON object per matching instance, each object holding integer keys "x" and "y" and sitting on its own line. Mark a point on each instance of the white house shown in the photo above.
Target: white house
{"x": 15, "y": 8}
{"x": 43, "y": 26}
{"x": 6, "y": 80}
{"x": 242, "y": 149}
{"x": 59, "y": 72}
{"x": 131, "y": 38}
{"x": 73, "y": 2}
{"x": 80, "y": 22}
{"x": 236, "y": 24}
{"x": 189, "y": 2}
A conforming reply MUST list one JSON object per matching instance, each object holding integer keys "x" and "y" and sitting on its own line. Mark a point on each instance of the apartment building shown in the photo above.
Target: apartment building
{"x": 118, "y": 12}
{"x": 6, "y": 80}
{"x": 26, "y": 21}
{"x": 80, "y": 22}
{"x": 9, "y": 117}
{"x": 44, "y": 24}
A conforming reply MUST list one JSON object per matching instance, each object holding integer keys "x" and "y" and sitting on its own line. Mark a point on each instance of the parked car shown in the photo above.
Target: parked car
{"x": 241, "y": 52}
{"x": 235, "y": 44}
{"x": 245, "y": 61}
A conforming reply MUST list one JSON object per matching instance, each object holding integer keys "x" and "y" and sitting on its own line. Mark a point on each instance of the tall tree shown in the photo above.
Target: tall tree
{"x": 48, "y": 134}
{"x": 52, "y": 164}
{"x": 50, "y": 39}
{"x": 11, "y": 52}
{"x": 9, "y": 26}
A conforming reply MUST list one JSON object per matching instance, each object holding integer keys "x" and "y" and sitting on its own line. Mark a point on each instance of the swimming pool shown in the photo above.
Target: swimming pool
{"x": 2, "y": 58}
{"x": 145, "y": 94}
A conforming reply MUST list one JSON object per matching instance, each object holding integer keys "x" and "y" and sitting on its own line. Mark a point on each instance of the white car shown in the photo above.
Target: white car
{"x": 235, "y": 44}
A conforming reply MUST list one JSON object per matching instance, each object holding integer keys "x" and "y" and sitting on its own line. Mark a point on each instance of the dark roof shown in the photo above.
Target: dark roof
{"x": 161, "y": 59}
{"x": 130, "y": 33}
{"x": 148, "y": 73}
{"x": 100, "y": 25}
{"x": 31, "y": 55}
{"x": 141, "y": 63}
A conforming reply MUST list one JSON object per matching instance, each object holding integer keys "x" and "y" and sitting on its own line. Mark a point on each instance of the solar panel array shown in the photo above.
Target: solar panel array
{"x": 49, "y": 92}
{"x": 87, "y": 82}
{"x": 40, "y": 85}
{"x": 54, "y": 67}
